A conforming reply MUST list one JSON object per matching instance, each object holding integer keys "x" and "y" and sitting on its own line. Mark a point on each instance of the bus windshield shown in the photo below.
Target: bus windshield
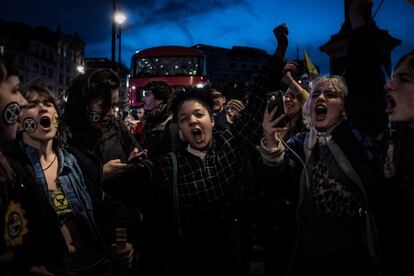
{"x": 169, "y": 66}
{"x": 179, "y": 67}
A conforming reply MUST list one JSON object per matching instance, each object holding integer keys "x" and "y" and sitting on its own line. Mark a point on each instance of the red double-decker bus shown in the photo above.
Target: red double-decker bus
{"x": 176, "y": 65}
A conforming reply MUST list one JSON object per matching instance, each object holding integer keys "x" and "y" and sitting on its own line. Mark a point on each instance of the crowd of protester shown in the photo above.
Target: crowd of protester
{"x": 319, "y": 183}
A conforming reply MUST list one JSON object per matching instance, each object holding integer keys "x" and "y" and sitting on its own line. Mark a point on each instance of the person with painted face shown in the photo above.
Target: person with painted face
{"x": 331, "y": 173}
{"x": 15, "y": 224}
{"x": 196, "y": 220}
{"x": 90, "y": 115}
{"x": 68, "y": 203}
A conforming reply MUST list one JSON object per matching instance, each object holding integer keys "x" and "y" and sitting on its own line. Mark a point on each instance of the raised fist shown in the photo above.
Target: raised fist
{"x": 281, "y": 33}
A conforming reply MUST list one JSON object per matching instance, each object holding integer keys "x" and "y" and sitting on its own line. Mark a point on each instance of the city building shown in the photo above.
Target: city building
{"x": 235, "y": 69}
{"x": 235, "y": 63}
{"x": 46, "y": 58}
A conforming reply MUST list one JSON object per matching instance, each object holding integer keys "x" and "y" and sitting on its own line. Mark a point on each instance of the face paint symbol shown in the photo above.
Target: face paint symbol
{"x": 11, "y": 113}
{"x": 94, "y": 116}
{"x": 29, "y": 125}
{"x": 15, "y": 225}
{"x": 55, "y": 120}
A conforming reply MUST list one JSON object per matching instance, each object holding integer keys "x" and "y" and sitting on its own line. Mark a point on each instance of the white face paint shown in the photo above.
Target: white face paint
{"x": 94, "y": 116}
{"x": 29, "y": 125}
{"x": 97, "y": 118}
{"x": 11, "y": 113}
{"x": 11, "y": 102}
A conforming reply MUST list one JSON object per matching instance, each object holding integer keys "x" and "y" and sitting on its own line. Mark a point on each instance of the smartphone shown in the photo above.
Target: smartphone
{"x": 275, "y": 99}
{"x": 136, "y": 159}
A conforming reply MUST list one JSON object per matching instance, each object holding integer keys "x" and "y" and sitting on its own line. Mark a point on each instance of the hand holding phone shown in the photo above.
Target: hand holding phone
{"x": 275, "y": 99}
{"x": 137, "y": 158}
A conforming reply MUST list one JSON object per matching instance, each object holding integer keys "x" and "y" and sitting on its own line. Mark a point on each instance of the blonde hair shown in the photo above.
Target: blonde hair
{"x": 337, "y": 82}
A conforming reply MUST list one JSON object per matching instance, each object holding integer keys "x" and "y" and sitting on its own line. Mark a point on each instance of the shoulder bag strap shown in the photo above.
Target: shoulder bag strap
{"x": 177, "y": 213}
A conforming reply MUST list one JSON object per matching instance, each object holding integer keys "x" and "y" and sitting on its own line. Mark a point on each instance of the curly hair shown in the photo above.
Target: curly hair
{"x": 200, "y": 95}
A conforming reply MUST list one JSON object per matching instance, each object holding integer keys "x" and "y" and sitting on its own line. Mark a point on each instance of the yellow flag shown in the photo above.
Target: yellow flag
{"x": 313, "y": 72}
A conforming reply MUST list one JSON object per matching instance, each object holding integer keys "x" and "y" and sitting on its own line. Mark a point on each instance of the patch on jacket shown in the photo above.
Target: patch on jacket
{"x": 15, "y": 224}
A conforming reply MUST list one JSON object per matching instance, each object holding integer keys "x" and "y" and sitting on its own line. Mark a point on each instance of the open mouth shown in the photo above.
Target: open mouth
{"x": 390, "y": 103}
{"x": 45, "y": 122}
{"x": 197, "y": 134}
{"x": 320, "y": 111}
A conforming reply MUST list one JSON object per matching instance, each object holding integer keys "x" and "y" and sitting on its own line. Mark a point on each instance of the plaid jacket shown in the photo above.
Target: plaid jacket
{"x": 209, "y": 190}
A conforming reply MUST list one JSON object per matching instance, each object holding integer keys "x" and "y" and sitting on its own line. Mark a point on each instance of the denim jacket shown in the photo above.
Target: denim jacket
{"x": 73, "y": 185}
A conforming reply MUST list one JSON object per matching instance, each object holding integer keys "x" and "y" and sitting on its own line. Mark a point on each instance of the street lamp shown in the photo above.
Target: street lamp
{"x": 119, "y": 19}
{"x": 113, "y": 34}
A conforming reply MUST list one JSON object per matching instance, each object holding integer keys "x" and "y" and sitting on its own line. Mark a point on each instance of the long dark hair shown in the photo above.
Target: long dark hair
{"x": 92, "y": 86}
{"x": 399, "y": 133}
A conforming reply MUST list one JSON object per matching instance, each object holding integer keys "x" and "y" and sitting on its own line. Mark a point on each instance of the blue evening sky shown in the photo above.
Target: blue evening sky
{"x": 223, "y": 23}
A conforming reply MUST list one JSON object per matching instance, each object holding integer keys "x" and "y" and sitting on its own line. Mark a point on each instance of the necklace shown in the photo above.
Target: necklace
{"x": 51, "y": 163}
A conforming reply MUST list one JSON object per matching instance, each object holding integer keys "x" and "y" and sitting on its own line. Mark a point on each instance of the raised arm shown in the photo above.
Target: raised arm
{"x": 248, "y": 129}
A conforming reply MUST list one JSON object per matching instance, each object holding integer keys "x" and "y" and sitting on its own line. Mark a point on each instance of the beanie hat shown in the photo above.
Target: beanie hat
{"x": 237, "y": 105}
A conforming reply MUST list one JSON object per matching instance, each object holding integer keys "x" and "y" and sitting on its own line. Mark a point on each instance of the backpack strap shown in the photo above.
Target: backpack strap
{"x": 176, "y": 203}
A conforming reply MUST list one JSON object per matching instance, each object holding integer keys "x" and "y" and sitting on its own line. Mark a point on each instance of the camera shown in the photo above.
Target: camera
{"x": 275, "y": 99}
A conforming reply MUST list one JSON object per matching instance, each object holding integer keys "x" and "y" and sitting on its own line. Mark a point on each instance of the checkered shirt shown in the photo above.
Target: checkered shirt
{"x": 209, "y": 190}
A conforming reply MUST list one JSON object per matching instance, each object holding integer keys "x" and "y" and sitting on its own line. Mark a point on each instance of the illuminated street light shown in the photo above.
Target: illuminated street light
{"x": 119, "y": 18}
{"x": 113, "y": 33}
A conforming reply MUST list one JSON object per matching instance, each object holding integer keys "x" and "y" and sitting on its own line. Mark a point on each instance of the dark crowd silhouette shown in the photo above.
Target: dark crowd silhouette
{"x": 293, "y": 174}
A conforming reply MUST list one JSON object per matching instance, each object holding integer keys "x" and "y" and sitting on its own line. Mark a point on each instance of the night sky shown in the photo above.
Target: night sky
{"x": 223, "y": 23}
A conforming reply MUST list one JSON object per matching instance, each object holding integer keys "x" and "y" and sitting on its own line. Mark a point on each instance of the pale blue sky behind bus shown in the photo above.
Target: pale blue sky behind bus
{"x": 223, "y": 23}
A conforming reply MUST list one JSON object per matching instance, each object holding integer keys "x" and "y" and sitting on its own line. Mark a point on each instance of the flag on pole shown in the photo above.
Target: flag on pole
{"x": 313, "y": 72}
